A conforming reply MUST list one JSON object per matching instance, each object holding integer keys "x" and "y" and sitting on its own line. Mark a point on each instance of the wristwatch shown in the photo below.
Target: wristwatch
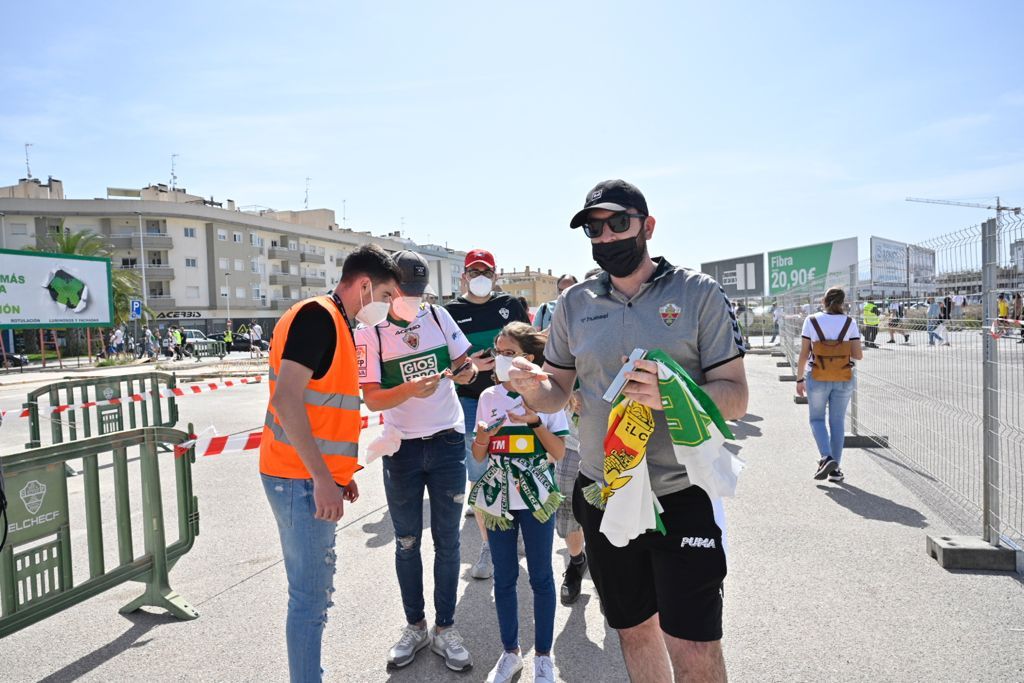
{"x": 534, "y": 425}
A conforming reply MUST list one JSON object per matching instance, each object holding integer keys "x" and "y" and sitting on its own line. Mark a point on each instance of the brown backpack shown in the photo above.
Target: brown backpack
{"x": 832, "y": 358}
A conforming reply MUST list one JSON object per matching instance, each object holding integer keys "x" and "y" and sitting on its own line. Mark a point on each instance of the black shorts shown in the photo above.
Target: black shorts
{"x": 678, "y": 576}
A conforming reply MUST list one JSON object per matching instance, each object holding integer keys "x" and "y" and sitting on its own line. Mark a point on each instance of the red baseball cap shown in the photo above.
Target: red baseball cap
{"x": 480, "y": 256}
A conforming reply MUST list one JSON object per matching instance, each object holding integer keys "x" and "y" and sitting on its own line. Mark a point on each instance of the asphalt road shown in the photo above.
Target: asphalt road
{"x": 827, "y": 582}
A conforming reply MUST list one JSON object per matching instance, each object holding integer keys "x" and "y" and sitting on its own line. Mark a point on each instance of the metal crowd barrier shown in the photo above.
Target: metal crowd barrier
{"x": 206, "y": 348}
{"x": 36, "y": 575}
{"x": 73, "y": 425}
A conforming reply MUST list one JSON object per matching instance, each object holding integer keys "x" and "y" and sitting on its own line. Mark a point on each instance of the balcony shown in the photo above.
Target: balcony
{"x": 308, "y": 257}
{"x": 283, "y": 253}
{"x": 153, "y": 271}
{"x": 313, "y": 281}
{"x": 285, "y": 279}
{"x": 282, "y": 304}
{"x": 151, "y": 240}
{"x": 162, "y": 302}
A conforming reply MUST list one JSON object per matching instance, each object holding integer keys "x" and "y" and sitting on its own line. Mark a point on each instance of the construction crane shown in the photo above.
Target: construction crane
{"x": 998, "y": 208}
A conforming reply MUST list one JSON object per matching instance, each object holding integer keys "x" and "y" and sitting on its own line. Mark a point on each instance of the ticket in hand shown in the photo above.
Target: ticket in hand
{"x": 615, "y": 388}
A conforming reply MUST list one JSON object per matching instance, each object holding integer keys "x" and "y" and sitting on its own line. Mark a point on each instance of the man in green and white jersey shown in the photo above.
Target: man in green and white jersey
{"x": 406, "y": 366}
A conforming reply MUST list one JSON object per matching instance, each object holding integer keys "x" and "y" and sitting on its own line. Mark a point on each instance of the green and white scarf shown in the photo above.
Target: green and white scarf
{"x": 630, "y": 505}
{"x": 535, "y": 479}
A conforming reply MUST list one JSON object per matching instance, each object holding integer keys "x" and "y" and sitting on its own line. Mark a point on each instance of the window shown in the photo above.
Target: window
{"x": 256, "y": 294}
{"x": 263, "y": 269}
{"x": 293, "y": 245}
{"x": 254, "y": 266}
{"x": 190, "y": 232}
{"x": 191, "y": 263}
{"x": 191, "y": 292}
{"x": 239, "y": 264}
{"x": 128, "y": 263}
{"x": 239, "y": 292}
{"x": 19, "y": 228}
{"x": 223, "y": 292}
{"x": 237, "y": 238}
{"x": 253, "y": 239}
{"x": 222, "y": 263}
{"x": 222, "y": 235}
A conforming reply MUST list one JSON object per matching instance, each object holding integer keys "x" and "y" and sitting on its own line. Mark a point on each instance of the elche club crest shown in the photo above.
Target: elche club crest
{"x": 32, "y": 495}
{"x": 503, "y": 312}
{"x": 412, "y": 339}
{"x": 669, "y": 313}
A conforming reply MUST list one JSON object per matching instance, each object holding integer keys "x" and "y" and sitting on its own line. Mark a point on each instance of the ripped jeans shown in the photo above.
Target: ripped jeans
{"x": 309, "y": 560}
{"x": 439, "y": 465}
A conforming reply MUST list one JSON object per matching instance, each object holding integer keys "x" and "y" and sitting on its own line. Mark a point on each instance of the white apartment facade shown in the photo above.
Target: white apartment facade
{"x": 202, "y": 259}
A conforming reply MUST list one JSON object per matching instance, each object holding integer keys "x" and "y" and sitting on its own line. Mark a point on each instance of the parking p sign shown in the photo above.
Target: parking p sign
{"x": 136, "y": 309}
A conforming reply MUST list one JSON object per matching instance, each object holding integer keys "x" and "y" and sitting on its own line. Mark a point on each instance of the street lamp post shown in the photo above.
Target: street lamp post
{"x": 142, "y": 248}
{"x": 3, "y": 231}
{"x": 227, "y": 279}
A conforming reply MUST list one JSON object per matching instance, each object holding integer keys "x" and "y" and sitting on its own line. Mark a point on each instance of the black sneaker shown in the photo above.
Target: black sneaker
{"x": 826, "y": 466}
{"x": 572, "y": 581}
{"x": 891, "y": 341}
{"x": 836, "y": 475}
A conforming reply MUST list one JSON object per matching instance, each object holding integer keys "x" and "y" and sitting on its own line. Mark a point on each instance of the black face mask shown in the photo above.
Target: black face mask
{"x": 620, "y": 258}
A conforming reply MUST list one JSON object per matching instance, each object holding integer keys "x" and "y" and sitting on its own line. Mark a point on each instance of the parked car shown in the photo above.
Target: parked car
{"x": 239, "y": 342}
{"x": 13, "y": 360}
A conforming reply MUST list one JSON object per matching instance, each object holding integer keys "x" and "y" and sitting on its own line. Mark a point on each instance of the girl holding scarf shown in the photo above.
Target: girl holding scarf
{"x": 518, "y": 492}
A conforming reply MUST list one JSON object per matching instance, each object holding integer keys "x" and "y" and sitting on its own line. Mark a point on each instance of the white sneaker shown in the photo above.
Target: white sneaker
{"x": 483, "y": 569}
{"x": 448, "y": 644}
{"x": 509, "y": 664}
{"x": 412, "y": 641}
{"x": 543, "y": 669}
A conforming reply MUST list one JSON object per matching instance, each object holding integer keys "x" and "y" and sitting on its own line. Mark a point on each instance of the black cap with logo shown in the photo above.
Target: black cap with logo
{"x": 415, "y": 272}
{"x": 611, "y": 195}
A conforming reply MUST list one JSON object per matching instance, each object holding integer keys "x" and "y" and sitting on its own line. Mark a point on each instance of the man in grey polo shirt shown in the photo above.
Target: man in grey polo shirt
{"x": 662, "y": 593}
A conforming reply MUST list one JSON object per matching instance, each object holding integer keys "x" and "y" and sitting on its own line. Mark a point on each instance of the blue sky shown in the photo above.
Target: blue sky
{"x": 749, "y": 126}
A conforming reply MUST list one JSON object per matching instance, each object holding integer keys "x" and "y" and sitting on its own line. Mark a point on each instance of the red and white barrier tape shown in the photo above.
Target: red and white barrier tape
{"x": 166, "y": 392}
{"x": 994, "y": 331}
{"x": 245, "y": 441}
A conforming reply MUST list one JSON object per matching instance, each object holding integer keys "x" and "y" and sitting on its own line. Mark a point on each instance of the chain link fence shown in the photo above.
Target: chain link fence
{"x": 943, "y": 383}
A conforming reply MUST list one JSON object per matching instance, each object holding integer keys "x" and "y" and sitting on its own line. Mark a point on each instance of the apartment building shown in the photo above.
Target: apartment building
{"x": 536, "y": 285}
{"x": 202, "y": 259}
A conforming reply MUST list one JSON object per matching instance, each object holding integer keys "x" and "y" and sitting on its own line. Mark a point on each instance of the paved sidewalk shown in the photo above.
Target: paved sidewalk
{"x": 827, "y": 582}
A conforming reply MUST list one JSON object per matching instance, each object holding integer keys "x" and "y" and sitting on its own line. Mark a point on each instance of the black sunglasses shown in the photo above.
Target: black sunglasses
{"x": 618, "y": 222}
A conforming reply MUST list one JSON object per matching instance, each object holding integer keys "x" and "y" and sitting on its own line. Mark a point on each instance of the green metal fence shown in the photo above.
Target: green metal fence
{"x": 206, "y": 348}
{"x": 36, "y": 576}
{"x": 72, "y": 425}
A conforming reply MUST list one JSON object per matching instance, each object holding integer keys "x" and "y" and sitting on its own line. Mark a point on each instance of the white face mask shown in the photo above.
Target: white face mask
{"x": 502, "y": 364}
{"x": 406, "y": 307}
{"x": 481, "y": 285}
{"x": 373, "y": 313}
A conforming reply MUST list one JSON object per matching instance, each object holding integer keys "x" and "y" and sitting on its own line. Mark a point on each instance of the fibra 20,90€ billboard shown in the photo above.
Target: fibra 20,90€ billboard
{"x": 51, "y": 291}
{"x": 790, "y": 268}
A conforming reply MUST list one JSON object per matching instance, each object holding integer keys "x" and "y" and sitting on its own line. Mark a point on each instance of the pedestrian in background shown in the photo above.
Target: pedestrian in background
{"x": 542, "y": 320}
{"x": 829, "y": 345}
{"x": 933, "y": 316}
{"x": 1018, "y": 311}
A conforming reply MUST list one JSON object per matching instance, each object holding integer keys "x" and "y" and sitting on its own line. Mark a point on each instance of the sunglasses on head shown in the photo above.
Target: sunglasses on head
{"x": 618, "y": 222}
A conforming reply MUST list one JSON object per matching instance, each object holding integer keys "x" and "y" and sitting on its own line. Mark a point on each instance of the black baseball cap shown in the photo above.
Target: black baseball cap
{"x": 611, "y": 195}
{"x": 415, "y": 272}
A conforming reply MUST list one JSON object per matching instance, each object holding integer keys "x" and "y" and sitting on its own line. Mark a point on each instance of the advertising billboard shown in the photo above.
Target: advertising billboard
{"x": 53, "y": 291}
{"x": 888, "y": 262}
{"x": 740, "y": 276}
{"x": 790, "y": 268}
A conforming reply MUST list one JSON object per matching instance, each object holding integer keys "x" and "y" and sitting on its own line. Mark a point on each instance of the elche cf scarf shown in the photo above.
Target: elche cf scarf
{"x": 698, "y": 433}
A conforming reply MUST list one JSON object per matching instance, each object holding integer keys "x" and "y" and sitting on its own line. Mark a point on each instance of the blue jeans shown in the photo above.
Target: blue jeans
{"x": 474, "y": 469}
{"x": 835, "y": 396}
{"x": 439, "y": 465}
{"x": 932, "y": 325}
{"x": 538, "y": 538}
{"x": 309, "y": 559}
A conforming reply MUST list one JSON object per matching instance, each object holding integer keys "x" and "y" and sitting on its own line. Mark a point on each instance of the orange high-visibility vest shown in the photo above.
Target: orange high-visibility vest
{"x": 332, "y": 404}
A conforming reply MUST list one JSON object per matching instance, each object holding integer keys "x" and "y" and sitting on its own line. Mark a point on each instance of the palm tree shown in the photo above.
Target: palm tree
{"x": 126, "y": 284}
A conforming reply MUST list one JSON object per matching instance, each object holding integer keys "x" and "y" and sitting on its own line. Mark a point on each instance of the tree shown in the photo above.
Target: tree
{"x": 126, "y": 284}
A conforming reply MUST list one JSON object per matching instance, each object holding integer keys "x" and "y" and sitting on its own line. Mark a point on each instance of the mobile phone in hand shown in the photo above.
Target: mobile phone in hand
{"x": 462, "y": 368}
{"x": 497, "y": 423}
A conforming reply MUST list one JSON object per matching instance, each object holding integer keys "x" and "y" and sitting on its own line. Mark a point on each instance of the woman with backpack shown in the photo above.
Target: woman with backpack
{"x": 829, "y": 345}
